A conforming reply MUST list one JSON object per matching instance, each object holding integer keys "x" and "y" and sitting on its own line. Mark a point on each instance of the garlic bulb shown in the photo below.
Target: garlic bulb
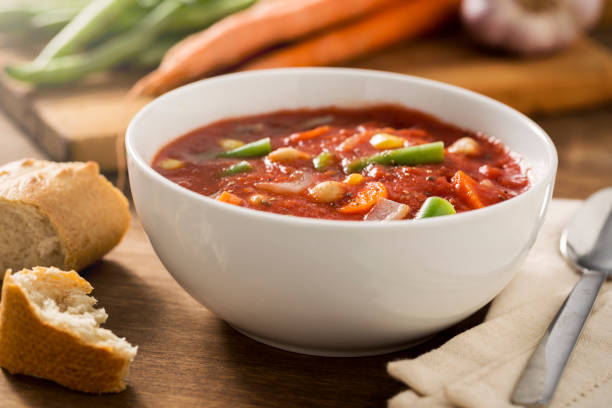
{"x": 529, "y": 26}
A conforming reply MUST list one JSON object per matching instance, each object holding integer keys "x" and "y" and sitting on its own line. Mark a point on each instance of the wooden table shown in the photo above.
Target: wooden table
{"x": 189, "y": 358}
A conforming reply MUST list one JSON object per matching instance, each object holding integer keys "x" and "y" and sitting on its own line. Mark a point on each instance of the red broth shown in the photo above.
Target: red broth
{"x": 488, "y": 171}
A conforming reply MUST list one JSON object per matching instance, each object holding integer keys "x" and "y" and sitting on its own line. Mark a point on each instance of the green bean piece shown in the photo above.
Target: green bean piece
{"x": 435, "y": 207}
{"x": 405, "y": 156}
{"x": 323, "y": 161}
{"x": 73, "y": 67}
{"x": 240, "y": 167}
{"x": 258, "y": 148}
{"x": 93, "y": 20}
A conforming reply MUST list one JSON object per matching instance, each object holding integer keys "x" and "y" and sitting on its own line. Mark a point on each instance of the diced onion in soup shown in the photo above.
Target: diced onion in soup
{"x": 301, "y": 183}
{"x": 387, "y": 210}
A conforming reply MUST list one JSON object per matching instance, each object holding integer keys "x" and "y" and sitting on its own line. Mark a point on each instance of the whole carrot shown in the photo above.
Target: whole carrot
{"x": 237, "y": 37}
{"x": 394, "y": 23}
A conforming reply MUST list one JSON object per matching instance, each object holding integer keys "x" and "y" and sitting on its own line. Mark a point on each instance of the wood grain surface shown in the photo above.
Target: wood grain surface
{"x": 82, "y": 122}
{"x": 189, "y": 358}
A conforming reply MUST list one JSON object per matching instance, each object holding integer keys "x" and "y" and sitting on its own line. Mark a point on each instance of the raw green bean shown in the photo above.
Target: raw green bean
{"x": 53, "y": 21}
{"x": 19, "y": 15}
{"x": 323, "y": 161}
{"x": 153, "y": 54}
{"x": 405, "y": 156}
{"x": 240, "y": 167}
{"x": 435, "y": 207}
{"x": 258, "y": 148}
{"x": 89, "y": 23}
{"x": 73, "y": 67}
{"x": 198, "y": 15}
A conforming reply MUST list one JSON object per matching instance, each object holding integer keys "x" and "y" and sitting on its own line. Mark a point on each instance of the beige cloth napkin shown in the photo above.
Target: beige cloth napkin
{"x": 478, "y": 368}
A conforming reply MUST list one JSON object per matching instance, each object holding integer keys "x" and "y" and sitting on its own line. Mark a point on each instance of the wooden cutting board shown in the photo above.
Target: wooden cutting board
{"x": 82, "y": 122}
{"x": 188, "y": 358}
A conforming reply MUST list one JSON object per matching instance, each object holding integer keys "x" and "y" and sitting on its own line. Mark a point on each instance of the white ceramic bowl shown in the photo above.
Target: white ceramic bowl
{"x": 334, "y": 287}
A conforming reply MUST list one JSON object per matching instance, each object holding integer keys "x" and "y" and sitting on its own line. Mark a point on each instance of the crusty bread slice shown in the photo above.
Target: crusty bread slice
{"x": 50, "y": 329}
{"x": 58, "y": 214}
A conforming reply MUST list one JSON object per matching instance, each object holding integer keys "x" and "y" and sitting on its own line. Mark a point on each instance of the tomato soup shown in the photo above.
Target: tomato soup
{"x": 382, "y": 162}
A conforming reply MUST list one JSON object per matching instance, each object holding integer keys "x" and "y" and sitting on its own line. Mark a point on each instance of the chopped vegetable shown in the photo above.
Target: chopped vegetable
{"x": 284, "y": 154}
{"x": 465, "y": 145}
{"x": 465, "y": 186}
{"x": 387, "y": 210}
{"x": 353, "y": 179}
{"x": 351, "y": 142}
{"x": 240, "y": 167}
{"x": 229, "y": 198}
{"x": 435, "y": 207}
{"x": 420, "y": 154}
{"x": 323, "y": 161}
{"x": 230, "y": 144}
{"x": 308, "y": 134}
{"x": 172, "y": 164}
{"x": 365, "y": 199}
{"x": 259, "y": 199}
{"x": 301, "y": 183}
{"x": 385, "y": 141}
{"x": 258, "y": 148}
{"x": 404, "y": 20}
{"x": 232, "y": 39}
{"x": 327, "y": 191}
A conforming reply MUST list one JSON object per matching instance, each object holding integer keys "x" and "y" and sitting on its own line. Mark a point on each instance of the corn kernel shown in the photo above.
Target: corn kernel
{"x": 287, "y": 154}
{"x": 230, "y": 144}
{"x": 172, "y": 164}
{"x": 386, "y": 141}
{"x": 354, "y": 179}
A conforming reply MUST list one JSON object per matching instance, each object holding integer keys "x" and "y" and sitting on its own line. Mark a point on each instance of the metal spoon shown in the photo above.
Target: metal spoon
{"x": 587, "y": 244}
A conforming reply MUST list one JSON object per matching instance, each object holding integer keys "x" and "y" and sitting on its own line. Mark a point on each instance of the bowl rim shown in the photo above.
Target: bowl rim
{"x": 545, "y": 178}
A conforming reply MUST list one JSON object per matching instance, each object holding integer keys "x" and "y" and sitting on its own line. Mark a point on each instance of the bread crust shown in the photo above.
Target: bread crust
{"x": 89, "y": 214}
{"x": 30, "y": 346}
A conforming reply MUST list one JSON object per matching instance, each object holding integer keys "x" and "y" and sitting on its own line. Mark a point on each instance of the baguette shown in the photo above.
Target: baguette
{"x": 50, "y": 329}
{"x": 58, "y": 214}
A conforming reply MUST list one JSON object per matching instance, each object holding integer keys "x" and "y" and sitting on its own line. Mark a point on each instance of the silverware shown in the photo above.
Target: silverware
{"x": 586, "y": 243}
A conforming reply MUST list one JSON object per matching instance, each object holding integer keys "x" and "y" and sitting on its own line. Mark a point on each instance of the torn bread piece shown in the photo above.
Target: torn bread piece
{"x": 58, "y": 214}
{"x": 50, "y": 329}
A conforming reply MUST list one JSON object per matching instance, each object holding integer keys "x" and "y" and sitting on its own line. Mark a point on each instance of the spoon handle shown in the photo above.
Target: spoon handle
{"x": 540, "y": 378}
